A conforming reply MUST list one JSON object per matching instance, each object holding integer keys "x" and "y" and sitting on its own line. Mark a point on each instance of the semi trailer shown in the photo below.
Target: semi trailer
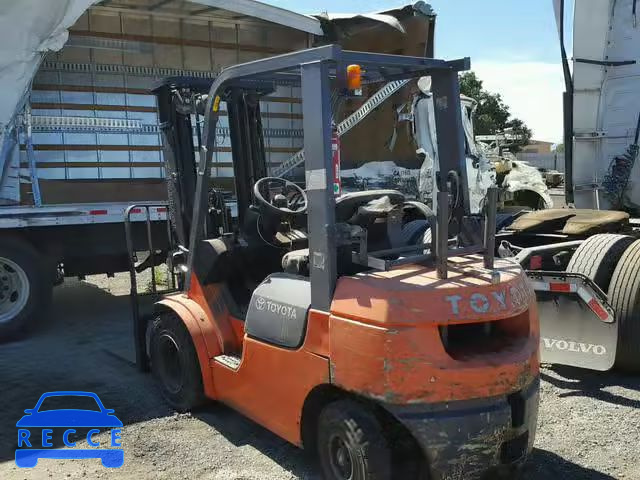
{"x": 584, "y": 261}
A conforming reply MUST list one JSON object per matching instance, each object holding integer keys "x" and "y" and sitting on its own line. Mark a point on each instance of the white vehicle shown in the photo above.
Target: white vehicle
{"x": 520, "y": 184}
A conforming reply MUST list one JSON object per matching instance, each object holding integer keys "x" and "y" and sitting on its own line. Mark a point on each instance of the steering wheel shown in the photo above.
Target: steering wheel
{"x": 279, "y": 196}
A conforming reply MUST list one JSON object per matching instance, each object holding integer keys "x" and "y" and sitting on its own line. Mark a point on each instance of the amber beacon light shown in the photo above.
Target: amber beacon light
{"x": 354, "y": 77}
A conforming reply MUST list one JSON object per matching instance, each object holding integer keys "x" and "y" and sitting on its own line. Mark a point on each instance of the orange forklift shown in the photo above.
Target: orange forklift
{"x": 315, "y": 316}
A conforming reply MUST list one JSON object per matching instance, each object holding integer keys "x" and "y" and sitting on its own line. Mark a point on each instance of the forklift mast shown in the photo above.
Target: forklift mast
{"x": 181, "y": 103}
{"x": 247, "y": 142}
{"x": 178, "y": 99}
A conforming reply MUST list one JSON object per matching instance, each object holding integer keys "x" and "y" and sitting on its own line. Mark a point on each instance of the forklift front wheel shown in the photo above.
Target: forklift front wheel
{"x": 351, "y": 443}
{"x": 174, "y": 362}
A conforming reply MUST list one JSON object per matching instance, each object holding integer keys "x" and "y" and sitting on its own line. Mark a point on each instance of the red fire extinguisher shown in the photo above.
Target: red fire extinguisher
{"x": 335, "y": 149}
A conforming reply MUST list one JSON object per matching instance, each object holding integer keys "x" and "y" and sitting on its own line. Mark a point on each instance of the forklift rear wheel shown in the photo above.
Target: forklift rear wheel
{"x": 624, "y": 296}
{"x": 351, "y": 443}
{"x": 174, "y": 362}
{"x": 25, "y": 287}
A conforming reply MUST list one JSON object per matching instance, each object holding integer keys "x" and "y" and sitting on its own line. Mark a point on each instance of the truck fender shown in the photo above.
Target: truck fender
{"x": 205, "y": 338}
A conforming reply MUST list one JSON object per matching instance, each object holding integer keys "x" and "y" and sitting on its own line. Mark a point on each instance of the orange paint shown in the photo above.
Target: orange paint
{"x": 237, "y": 325}
{"x": 410, "y": 365}
{"x": 381, "y": 340}
{"x": 386, "y": 342}
{"x": 413, "y": 295}
{"x": 211, "y": 299}
{"x": 271, "y": 385}
{"x": 317, "y": 339}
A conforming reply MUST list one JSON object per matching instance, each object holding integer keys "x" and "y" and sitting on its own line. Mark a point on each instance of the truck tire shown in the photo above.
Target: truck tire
{"x": 624, "y": 296}
{"x": 25, "y": 287}
{"x": 351, "y": 443}
{"x": 174, "y": 362}
{"x": 413, "y": 231}
{"x": 597, "y": 257}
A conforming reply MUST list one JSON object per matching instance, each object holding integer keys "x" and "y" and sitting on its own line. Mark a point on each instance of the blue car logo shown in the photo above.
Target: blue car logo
{"x": 28, "y": 453}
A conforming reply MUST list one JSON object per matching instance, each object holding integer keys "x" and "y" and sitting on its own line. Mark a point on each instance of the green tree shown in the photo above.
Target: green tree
{"x": 519, "y": 129}
{"x": 492, "y": 115}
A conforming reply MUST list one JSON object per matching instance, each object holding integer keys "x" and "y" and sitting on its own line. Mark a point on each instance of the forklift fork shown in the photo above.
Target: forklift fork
{"x": 140, "y": 320}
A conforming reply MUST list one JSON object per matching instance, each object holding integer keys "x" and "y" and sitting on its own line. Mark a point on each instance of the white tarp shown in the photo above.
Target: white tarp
{"x": 29, "y": 29}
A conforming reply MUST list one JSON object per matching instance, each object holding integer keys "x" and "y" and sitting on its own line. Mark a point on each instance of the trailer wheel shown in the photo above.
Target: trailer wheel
{"x": 351, "y": 443}
{"x": 174, "y": 362}
{"x": 624, "y": 296}
{"x": 598, "y": 256}
{"x": 412, "y": 232}
{"x": 25, "y": 287}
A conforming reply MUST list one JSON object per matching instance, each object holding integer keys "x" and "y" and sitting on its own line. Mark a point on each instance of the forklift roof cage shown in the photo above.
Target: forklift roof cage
{"x": 317, "y": 70}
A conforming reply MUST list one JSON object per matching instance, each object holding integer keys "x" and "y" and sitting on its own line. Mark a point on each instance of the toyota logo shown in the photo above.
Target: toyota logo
{"x": 260, "y": 303}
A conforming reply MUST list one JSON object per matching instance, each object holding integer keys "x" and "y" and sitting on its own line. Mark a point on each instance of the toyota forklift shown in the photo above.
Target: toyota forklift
{"x": 313, "y": 315}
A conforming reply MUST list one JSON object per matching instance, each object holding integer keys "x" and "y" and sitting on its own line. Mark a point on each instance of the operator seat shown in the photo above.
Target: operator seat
{"x": 349, "y": 204}
{"x": 367, "y": 209}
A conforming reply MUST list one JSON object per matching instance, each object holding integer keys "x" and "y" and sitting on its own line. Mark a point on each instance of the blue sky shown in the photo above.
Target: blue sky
{"x": 512, "y": 44}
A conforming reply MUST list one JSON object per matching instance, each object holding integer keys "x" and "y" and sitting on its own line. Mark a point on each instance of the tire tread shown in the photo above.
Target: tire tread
{"x": 624, "y": 296}
{"x": 40, "y": 282}
{"x": 597, "y": 257}
{"x": 364, "y": 429}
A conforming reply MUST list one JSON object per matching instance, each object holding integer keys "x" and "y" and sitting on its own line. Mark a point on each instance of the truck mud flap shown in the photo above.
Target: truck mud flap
{"x": 577, "y": 325}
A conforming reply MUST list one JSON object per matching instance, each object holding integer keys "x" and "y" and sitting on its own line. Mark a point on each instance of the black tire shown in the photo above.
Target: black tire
{"x": 20, "y": 264}
{"x": 508, "y": 472}
{"x": 174, "y": 362}
{"x": 351, "y": 443}
{"x": 597, "y": 257}
{"x": 624, "y": 296}
{"x": 412, "y": 232}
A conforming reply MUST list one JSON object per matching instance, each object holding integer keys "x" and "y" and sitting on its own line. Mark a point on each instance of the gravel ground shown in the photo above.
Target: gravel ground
{"x": 589, "y": 424}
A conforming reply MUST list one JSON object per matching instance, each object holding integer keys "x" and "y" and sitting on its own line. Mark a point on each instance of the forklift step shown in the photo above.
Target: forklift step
{"x": 230, "y": 361}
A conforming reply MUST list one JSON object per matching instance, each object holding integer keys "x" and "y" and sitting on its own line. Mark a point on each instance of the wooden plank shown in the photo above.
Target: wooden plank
{"x": 45, "y": 165}
{"x": 99, "y": 191}
{"x": 106, "y": 148}
{"x": 180, "y": 41}
{"x": 136, "y": 148}
{"x": 137, "y": 91}
{"x": 134, "y": 108}
{"x": 267, "y": 149}
{"x": 90, "y": 89}
{"x": 93, "y": 106}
